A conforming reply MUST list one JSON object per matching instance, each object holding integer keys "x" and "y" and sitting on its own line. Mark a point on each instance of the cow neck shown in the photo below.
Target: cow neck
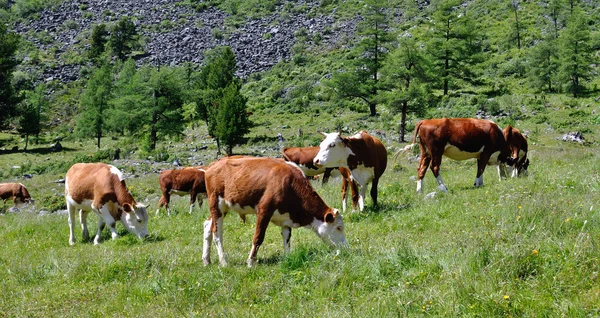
{"x": 124, "y": 196}
{"x": 356, "y": 145}
{"x": 311, "y": 203}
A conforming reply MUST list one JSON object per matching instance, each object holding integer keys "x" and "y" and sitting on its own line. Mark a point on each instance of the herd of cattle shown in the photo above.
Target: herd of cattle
{"x": 277, "y": 190}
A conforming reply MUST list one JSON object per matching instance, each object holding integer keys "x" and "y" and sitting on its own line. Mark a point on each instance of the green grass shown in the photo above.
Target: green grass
{"x": 520, "y": 247}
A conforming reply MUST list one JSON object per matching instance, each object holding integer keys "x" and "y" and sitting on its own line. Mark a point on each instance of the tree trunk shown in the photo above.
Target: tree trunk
{"x": 403, "y": 121}
{"x": 26, "y": 141}
{"x": 99, "y": 136}
{"x": 372, "y": 108}
{"x": 218, "y": 147}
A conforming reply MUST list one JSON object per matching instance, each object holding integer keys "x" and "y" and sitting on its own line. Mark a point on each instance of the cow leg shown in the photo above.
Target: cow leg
{"x": 71, "y": 210}
{"x": 218, "y": 239}
{"x": 502, "y": 173}
{"x": 193, "y": 195}
{"x": 84, "y": 229}
{"x": 436, "y": 162}
{"x": 286, "y": 233}
{"x": 344, "y": 192}
{"x": 481, "y": 163}
{"x": 99, "y": 233}
{"x": 361, "y": 197}
{"x": 374, "y": 184}
{"x": 207, "y": 241}
{"x": 326, "y": 175}
{"x": 423, "y": 165}
{"x": 107, "y": 218}
{"x": 263, "y": 216}
{"x": 164, "y": 201}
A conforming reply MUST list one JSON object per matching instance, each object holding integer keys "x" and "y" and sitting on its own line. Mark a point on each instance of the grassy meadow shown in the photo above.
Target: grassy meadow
{"x": 524, "y": 247}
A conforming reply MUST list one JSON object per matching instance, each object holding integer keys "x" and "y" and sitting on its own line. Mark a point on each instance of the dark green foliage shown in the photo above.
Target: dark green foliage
{"x": 9, "y": 42}
{"x": 543, "y": 66}
{"x": 92, "y": 119}
{"x": 576, "y": 54}
{"x": 32, "y": 113}
{"x": 149, "y": 103}
{"x": 219, "y": 101}
{"x": 231, "y": 120}
{"x": 359, "y": 77}
{"x": 98, "y": 41}
{"x": 123, "y": 38}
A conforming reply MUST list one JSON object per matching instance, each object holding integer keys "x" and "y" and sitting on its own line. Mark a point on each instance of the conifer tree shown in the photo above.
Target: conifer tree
{"x": 575, "y": 53}
{"x": 8, "y": 96}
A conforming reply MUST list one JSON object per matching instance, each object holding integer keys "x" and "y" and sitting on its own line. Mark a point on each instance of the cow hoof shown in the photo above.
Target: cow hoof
{"x": 206, "y": 262}
{"x": 251, "y": 262}
{"x": 71, "y": 243}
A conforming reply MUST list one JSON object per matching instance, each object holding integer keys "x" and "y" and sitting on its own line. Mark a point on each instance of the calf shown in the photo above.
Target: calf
{"x": 274, "y": 190}
{"x": 459, "y": 139}
{"x": 101, "y": 188}
{"x": 188, "y": 180}
{"x": 517, "y": 143}
{"x": 364, "y": 155}
{"x": 304, "y": 157}
{"x": 16, "y": 192}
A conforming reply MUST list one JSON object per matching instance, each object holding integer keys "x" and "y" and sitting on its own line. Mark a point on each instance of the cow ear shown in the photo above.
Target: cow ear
{"x": 127, "y": 208}
{"x": 322, "y": 133}
{"x": 329, "y": 217}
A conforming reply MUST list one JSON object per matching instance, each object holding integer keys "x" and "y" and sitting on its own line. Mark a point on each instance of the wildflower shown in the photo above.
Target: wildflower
{"x": 506, "y": 297}
{"x": 534, "y": 252}
{"x": 520, "y": 207}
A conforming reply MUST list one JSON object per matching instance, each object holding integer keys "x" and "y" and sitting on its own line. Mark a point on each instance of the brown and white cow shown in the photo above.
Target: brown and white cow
{"x": 101, "y": 188}
{"x": 304, "y": 158}
{"x": 364, "y": 155}
{"x": 184, "y": 181}
{"x": 459, "y": 139}
{"x": 16, "y": 192}
{"x": 276, "y": 191}
{"x": 517, "y": 143}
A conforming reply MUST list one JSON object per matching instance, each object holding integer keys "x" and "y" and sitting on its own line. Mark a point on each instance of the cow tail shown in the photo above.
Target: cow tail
{"x": 410, "y": 146}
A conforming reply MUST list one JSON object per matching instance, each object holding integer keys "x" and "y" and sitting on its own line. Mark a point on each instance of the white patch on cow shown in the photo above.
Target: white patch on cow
{"x": 283, "y": 220}
{"x": 207, "y": 242}
{"x": 479, "y": 181}
{"x": 441, "y": 184}
{"x": 179, "y": 192}
{"x": 302, "y": 168}
{"x": 456, "y": 153}
{"x": 116, "y": 171}
{"x": 363, "y": 176}
{"x": 419, "y": 185}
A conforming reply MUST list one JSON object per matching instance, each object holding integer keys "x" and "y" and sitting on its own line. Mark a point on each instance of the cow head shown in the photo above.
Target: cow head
{"x": 331, "y": 231}
{"x": 333, "y": 151}
{"x": 135, "y": 219}
{"x": 522, "y": 168}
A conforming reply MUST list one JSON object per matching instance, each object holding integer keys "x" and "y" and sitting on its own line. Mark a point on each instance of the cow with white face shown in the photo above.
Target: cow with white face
{"x": 364, "y": 155}
{"x": 276, "y": 192}
{"x": 101, "y": 188}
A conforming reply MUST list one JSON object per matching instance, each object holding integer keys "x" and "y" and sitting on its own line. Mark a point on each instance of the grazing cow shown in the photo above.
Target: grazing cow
{"x": 364, "y": 155}
{"x": 184, "y": 181}
{"x": 101, "y": 188}
{"x": 16, "y": 192}
{"x": 276, "y": 191}
{"x": 517, "y": 143}
{"x": 459, "y": 139}
{"x": 303, "y": 157}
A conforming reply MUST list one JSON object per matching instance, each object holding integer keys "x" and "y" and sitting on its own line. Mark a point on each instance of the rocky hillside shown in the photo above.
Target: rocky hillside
{"x": 175, "y": 33}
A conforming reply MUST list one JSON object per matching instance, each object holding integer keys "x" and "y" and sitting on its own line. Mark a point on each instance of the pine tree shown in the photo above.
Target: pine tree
{"x": 543, "y": 66}
{"x": 98, "y": 41}
{"x": 231, "y": 120}
{"x": 404, "y": 79}
{"x": 92, "y": 120}
{"x": 359, "y": 78}
{"x": 8, "y": 96}
{"x": 575, "y": 53}
{"x": 220, "y": 103}
{"x": 32, "y": 113}
{"x": 123, "y": 38}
